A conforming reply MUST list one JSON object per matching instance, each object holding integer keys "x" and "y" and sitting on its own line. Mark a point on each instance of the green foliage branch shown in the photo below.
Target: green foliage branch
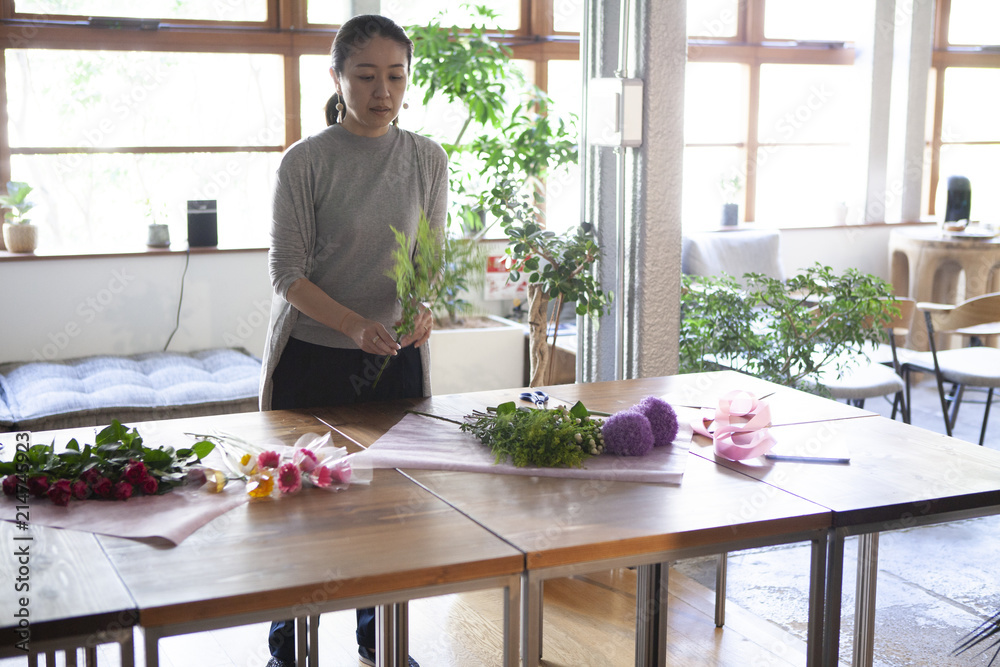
{"x": 544, "y": 437}
{"x": 783, "y": 331}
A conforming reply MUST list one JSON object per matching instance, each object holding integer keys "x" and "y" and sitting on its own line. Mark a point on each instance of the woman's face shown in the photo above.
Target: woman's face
{"x": 372, "y": 86}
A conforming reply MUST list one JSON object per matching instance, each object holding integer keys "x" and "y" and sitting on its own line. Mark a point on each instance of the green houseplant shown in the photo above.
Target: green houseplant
{"x": 19, "y": 234}
{"x": 505, "y": 145}
{"x": 782, "y": 331}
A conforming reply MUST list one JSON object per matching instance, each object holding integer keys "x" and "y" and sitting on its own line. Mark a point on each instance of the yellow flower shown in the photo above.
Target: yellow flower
{"x": 261, "y": 485}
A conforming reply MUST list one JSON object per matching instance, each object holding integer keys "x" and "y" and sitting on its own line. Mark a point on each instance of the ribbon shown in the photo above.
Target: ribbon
{"x": 741, "y": 429}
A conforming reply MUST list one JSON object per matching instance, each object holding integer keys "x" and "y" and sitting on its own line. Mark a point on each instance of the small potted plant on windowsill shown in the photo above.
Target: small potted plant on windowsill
{"x": 19, "y": 234}
{"x": 158, "y": 235}
{"x": 731, "y": 188}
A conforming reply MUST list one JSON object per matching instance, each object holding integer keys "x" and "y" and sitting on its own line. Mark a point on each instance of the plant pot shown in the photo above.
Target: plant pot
{"x": 730, "y": 215}
{"x": 477, "y": 359}
{"x": 22, "y": 237}
{"x": 159, "y": 236}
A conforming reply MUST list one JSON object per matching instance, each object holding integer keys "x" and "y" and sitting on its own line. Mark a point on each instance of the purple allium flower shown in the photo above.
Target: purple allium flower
{"x": 662, "y": 419}
{"x": 627, "y": 433}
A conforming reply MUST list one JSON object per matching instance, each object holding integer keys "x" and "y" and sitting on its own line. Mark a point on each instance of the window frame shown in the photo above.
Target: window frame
{"x": 280, "y": 34}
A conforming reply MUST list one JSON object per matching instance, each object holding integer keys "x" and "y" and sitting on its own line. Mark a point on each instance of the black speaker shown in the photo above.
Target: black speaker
{"x": 203, "y": 228}
{"x": 959, "y": 199}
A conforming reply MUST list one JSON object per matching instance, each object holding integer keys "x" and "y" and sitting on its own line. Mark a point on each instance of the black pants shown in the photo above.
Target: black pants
{"x": 315, "y": 376}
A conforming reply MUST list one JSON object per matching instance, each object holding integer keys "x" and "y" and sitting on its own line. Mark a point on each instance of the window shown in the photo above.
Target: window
{"x": 774, "y": 97}
{"x": 186, "y": 99}
{"x": 963, "y": 137}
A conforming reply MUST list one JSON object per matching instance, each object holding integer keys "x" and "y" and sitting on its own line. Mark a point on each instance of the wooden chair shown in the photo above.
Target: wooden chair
{"x": 963, "y": 367}
{"x": 877, "y": 372}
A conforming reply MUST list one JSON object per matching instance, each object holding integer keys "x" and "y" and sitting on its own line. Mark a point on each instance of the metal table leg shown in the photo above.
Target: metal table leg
{"x": 864, "y": 609}
{"x": 651, "y": 615}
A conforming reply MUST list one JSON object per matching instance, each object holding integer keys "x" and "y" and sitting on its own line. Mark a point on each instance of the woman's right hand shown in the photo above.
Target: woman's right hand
{"x": 369, "y": 335}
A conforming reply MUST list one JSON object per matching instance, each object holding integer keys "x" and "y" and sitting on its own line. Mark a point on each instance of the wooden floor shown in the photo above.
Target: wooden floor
{"x": 589, "y": 621}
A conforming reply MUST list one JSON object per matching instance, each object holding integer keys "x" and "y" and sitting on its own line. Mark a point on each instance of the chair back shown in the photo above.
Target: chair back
{"x": 974, "y": 312}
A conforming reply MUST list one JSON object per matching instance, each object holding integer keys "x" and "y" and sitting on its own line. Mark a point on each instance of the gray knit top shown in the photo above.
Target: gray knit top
{"x": 337, "y": 196}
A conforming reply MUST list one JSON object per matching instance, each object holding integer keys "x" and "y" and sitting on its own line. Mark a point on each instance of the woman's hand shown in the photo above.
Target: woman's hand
{"x": 369, "y": 335}
{"x": 422, "y": 325}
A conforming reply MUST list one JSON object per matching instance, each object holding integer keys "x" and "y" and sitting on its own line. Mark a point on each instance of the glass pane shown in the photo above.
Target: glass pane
{"x": 100, "y": 201}
{"x": 566, "y": 87}
{"x": 317, "y": 87}
{"x": 809, "y": 104}
{"x": 407, "y": 12}
{"x": 971, "y": 97}
{"x": 195, "y": 10}
{"x": 116, "y": 98}
{"x": 981, "y": 165}
{"x": 562, "y": 193}
{"x": 705, "y": 169}
{"x": 716, "y": 19}
{"x": 974, "y": 22}
{"x": 715, "y": 103}
{"x": 806, "y": 186}
{"x": 819, "y": 20}
{"x": 567, "y": 15}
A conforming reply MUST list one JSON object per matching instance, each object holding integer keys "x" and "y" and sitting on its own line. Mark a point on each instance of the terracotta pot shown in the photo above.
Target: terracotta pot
{"x": 20, "y": 238}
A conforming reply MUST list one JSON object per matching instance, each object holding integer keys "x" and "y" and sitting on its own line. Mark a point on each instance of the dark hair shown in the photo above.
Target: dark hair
{"x": 355, "y": 34}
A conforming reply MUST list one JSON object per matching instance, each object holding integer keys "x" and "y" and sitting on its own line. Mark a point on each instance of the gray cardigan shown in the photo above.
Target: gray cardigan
{"x": 336, "y": 195}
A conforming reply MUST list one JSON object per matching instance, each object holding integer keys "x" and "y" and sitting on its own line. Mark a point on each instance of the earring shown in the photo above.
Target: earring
{"x": 340, "y": 111}
{"x": 406, "y": 105}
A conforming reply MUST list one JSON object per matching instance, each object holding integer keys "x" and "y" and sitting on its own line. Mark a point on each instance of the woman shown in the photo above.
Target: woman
{"x": 337, "y": 197}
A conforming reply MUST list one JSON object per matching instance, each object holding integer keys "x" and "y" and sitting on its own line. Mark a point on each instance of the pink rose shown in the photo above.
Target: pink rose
{"x": 289, "y": 478}
{"x": 103, "y": 487}
{"x": 305, "y": 459}
{"x": 149, "y": 485}
{"x": 60, "y": 492}
{"x": 38, "y": 485}
{"x": 10, "y": 485}
{"x": 268, "y": 459}
{"x": 123, "y": 490}
{"x": 135, "y": 471}
{"x": 80, "y": 489}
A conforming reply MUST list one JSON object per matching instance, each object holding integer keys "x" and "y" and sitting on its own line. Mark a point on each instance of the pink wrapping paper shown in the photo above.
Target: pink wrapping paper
{"x": 172, "y": 516}
{"x": 426, "y": 443}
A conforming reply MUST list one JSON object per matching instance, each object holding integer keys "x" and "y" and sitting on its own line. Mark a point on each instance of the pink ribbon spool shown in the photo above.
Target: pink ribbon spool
{"x": 741, "y": 429}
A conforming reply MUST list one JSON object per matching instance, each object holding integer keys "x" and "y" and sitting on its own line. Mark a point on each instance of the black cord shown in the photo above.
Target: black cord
{"x": 180, "y": 299}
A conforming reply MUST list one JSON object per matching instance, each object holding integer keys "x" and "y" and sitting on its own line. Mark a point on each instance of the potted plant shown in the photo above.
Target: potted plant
{"x": 558, "y": 266}
{"x": 19, "y": 234}
{"x": 731, "y": 188}
{"x": 499, "y": 146}
{"x": 158, "y": 234}
{"x": 783, "y": 331}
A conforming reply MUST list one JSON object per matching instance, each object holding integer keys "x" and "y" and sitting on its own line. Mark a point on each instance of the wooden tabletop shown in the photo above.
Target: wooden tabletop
{"x": 73, "y": 589}
{"x": 315, "y": 546}
{"x": 899, "y": 475}
{"x": 564, "y": 521}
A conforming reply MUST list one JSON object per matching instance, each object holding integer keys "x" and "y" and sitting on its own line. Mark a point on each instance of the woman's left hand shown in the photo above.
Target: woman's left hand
{"x": 422, "y": 325}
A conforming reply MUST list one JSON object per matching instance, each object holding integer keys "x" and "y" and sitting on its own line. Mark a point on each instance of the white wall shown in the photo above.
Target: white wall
{"x": 865, "y": 248}
{"x": 60, "y": 308}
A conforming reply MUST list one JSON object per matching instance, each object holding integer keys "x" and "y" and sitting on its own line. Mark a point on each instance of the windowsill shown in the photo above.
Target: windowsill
{"x": 744, "y": 226}
{"x": 123, "y": 251}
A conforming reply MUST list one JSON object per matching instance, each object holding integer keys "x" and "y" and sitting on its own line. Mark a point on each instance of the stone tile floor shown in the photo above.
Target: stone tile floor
{"x": 935, "y": 583}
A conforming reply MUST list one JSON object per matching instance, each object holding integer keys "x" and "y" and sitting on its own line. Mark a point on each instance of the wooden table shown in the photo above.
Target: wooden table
{"x": 568, "y": 526}
{"x": 74, "y": 598}
{"x": 295, "y": 557}
{"x": 927, "y": 264}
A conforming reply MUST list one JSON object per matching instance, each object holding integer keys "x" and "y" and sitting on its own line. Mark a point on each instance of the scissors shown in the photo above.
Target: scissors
{"x": 539, "y": 398}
